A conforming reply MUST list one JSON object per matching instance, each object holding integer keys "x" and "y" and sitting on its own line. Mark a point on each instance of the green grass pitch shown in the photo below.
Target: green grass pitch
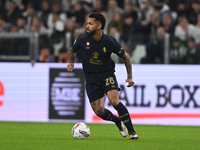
{"x": 57, "y": 136}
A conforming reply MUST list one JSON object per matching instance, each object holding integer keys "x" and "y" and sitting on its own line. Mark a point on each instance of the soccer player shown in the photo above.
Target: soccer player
{"x": 99, "y": 71}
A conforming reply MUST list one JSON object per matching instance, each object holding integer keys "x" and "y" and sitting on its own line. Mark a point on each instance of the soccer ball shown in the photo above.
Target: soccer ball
{"x": 80, "y": 130}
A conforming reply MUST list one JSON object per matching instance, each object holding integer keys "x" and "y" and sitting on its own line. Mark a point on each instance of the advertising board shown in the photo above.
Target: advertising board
{"x": 162, "y": 94}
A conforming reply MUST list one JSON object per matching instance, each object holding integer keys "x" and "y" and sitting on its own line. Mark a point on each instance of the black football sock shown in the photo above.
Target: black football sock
{"x": 107, "y": 115}
{"x": 125, "y": 117}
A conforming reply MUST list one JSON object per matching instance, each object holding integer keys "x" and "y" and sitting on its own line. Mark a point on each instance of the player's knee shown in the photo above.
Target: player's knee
{"x": 114, "y": 100}
{"x": 114, "y": 103}
{"x": 100, "y": 111}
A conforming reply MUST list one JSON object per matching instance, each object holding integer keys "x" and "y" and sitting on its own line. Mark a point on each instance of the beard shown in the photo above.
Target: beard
{"x": 91, "y": 33}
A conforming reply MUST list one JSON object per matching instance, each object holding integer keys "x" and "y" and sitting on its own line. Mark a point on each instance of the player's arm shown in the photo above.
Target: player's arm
{"x": 128, "y": 65}
{"x": 72, "y": 56}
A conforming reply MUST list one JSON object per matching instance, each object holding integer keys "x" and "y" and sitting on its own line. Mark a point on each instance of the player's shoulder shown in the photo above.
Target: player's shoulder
{"x": 110, "y": 39}
{"x": 83, "y": 36}
{"x": 81, "y": 39}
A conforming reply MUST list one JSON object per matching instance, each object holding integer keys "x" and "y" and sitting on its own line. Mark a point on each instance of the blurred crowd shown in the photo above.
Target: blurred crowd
{"x": 132, "y": 22}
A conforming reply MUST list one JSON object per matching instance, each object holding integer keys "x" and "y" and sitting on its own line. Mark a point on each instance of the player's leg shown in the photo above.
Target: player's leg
{"x": 96, "y": 98}
{"x": 100, "y": 110}
{"x": 113, "y": 97}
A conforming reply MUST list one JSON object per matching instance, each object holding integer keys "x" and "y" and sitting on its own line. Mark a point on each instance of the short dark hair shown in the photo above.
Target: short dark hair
{"x": 176, "y": 39}
{"x": 63, "y": 50}
{"x": 190, "y": 39}
{"x": 44, "y": 46}
{"x": 98, "y": 17}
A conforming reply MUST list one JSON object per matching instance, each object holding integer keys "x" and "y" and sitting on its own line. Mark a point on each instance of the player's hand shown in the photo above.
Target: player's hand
{"x": 130, "y": 82}
{"x": 70, "y": 67}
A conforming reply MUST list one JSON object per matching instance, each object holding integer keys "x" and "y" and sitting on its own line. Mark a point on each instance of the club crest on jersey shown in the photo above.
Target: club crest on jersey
{"x": 87, "y": 45}
{"x": 104, "y": 49}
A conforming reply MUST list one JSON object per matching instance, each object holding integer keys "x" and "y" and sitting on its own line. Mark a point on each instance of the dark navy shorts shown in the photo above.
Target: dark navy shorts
{"x": 96, "y": 90}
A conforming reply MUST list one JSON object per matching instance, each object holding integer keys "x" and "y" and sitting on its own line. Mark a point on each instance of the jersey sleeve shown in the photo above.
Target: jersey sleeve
{"x": 117, "y": 49}
{"x": 76, "y": 44}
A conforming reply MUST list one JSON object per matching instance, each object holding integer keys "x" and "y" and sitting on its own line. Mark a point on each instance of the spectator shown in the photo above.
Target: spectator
{"x": 120, "y": 3}
{"x": 113, "y": 31}
{"x": 154, "y": 49}
{"x": 29, "y": 14}
{"x": 21, "y": 24}
{"x": 153, "y": 23}
{"x": 117, "y": 22}
{"x": 162, "y": 7}
{"x": 173, "y": 4}
{"x": 37, "y": 26}
{"x": 130, "y": 25}
{"x": 20, "y": 4}
{"x": 71, "y": 25}
{"x": 12, "y": 13}
{"x": 128, "y": 8}
{"x": 168, "y": 24}
{"x": 68, "y": 5}
{"x": 112, "y": 8}
{"x": 146, "y": 12}
{"x": 63, "y": 56}
{"x": 14, "y": 28}
{"x": 52, "y": 18}
{"x": 131, "y": 32}
{"x": 45, "y": 40}
{"x": 17, "y": 3}
{"x": 44, "y": 56}
{"x": 57, "y": 25}
{"x": 138, "y": 5}
{"x": 192, "y": 18}
{"x": 36, "y": 4}
{"x": 4, "y": 26}
{"x": 104, "y": 13}
{"x": 70, "y": 30}
{"x": 184, "y": 30}
{"x": 193, "y": 53}
{"x": 178, "y": 52}
{"x": 58, "y": 34}
{"x": 79, "y": 13}
{"x": 2, "y": 7}
{"x": 44, "y": 13}
{"x": 98, "y": 7}
{"x": 182, "y": 10}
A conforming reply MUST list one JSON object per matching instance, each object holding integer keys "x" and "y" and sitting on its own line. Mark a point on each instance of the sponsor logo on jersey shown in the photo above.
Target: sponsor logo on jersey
{"x": 95, "y": 55}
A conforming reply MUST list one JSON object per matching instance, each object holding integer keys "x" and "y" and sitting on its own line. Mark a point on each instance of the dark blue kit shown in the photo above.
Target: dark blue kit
{"x": 97, "y": 64}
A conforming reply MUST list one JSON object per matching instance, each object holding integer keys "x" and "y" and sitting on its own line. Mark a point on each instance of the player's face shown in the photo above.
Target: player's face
{"x": 91, "y": 26}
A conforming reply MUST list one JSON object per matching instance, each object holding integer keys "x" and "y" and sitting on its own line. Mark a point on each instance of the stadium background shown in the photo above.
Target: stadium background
{"x": 167, "y": 90}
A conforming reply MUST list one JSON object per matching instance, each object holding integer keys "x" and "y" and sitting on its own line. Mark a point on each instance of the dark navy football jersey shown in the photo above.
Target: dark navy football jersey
{"x": 96, "y": 56}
